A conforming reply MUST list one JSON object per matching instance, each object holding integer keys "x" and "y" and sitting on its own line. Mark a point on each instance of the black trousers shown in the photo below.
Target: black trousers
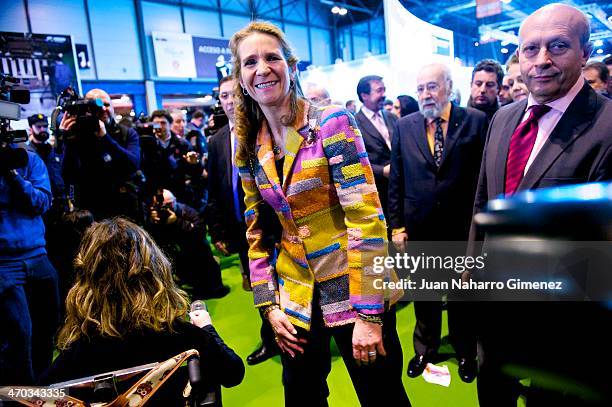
{"x": 428, "y": 328}
{"x": 305, "y": 376}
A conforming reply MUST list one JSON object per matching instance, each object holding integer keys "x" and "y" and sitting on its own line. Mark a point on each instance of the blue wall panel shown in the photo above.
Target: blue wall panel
{"x": 202, "y": 23}
{"x": 321, "y": 46}
{"x": 159, "y": 17}
{"x": 115, "y": 37}
{"x": 13, "y": 17}
{"x": 232, "y": 23}
{"x": 66, "y": 17}
{"x": 298, "y": 38}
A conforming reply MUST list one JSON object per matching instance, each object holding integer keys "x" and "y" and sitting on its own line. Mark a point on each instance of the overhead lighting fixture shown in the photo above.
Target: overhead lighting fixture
{"x": 598, "y": 43}
{"x": 504, "y": 50}
{"x": 341, "y": 11}
{"x": 600, "y": 51}
{"x": 476, "y": 43}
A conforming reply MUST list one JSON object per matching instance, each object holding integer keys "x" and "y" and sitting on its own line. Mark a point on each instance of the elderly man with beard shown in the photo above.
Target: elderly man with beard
{"x": 435, "y": 159}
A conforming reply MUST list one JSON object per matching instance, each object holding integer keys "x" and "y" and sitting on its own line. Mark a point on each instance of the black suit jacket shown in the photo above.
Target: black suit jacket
{"x": 578, "y": 150}
{"x": 436, "y": 203}
{"x": 379, "y": 153}
{"x": 220, "y": 212}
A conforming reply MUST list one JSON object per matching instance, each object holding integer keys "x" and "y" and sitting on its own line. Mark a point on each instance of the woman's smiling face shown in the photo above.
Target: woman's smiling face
{"x": 264, "y": 72}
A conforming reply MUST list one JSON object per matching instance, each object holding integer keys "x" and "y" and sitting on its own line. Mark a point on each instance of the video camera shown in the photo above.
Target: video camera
{"x": 11, "y": 96}
{"x": 85, "y": 110}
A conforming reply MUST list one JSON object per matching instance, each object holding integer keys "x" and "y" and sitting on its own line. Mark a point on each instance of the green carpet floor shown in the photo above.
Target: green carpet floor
{"x": 238, "y": 323}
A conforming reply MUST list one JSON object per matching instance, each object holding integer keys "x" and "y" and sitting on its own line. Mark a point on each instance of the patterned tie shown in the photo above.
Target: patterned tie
{"x": 438, "y": 142}
{"x": 521, "y": 144}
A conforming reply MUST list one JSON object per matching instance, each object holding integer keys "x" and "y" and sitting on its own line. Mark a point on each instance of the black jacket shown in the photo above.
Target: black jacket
{"x": 432, "y": 203}
{"x": 218, "y": 363}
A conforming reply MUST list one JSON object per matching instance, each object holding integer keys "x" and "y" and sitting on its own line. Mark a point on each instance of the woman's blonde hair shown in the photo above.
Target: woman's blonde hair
{"x": 123, "y": 283}
{"x": 248, "y": 114}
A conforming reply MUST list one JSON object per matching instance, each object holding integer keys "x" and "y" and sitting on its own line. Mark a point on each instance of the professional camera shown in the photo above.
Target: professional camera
{"x": 11, "y": 95}
{"x": 85, "y": 110}
{"x": 163, "y": 210}
{"x": 219, "y": 120}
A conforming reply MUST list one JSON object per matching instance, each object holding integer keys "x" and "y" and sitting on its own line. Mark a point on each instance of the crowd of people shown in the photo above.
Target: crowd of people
{"x": 98, "y": 226}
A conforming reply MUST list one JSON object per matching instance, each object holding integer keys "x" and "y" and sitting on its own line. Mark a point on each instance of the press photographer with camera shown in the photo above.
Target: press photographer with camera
{"x": 100, "y": 157}
{"x": 29, "y": 299}
{"x": 169, "y": 162}
{"x": 181, "y": 233}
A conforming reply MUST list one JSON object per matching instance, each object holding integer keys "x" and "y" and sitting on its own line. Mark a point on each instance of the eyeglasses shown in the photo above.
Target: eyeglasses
{"x": 431, "y": 87}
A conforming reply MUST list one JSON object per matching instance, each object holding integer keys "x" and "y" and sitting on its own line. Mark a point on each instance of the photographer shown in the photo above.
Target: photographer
{"x": 100, "y": 162}
{"x": 169, "y": 162}
{"x": 29, "y": 303}
{"x": 180, "y": 231}
{"x": 39, "y": 143}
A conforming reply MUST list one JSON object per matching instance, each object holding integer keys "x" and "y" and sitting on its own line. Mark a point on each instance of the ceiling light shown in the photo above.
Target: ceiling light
{"x": 335, "y": 10}
{"x": 598, "y": 43}
{"x": 600, "y": 51}
{"x": 476, "y": 43}
{"x": 343, "y": 11}
{"x": 504, "y": 50}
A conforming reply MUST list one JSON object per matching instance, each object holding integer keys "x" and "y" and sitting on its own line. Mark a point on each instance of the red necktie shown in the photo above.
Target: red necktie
{"x": 521, "y": 144}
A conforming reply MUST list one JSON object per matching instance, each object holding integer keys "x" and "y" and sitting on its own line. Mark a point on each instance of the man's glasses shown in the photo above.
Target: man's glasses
{"x": 431, "y": 87}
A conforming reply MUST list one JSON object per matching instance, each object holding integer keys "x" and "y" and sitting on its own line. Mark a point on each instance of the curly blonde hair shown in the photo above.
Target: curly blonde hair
{"x": 123, "y": 283}
{"x": 248, "y": 114}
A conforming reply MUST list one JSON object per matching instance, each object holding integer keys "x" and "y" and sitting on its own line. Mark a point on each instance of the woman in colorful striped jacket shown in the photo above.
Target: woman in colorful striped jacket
{"x": 321, "y": 278}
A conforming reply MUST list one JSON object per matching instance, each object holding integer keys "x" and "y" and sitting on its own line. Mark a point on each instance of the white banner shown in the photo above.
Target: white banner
{"x": 174, "y": 55}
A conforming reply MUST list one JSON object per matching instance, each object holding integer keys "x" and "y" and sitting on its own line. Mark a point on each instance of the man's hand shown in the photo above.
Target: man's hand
{"x": 222, "y": 247}
{"x": 399, "y": 241}
{"x": 191, "y": 157}
{"x": 387, "y": 170}
{"x": 172, "y": 218}
{"x": 67, "y": 122}
{"x": 102, "y": 130}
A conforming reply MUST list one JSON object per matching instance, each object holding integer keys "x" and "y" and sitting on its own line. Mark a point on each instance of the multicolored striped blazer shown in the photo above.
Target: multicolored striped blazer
{"x": 332, "y": 221}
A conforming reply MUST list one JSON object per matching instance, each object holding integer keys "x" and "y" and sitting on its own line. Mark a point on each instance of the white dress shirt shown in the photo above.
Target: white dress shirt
{"x": 547, "y": 123}
{"x": 378, "y": 122}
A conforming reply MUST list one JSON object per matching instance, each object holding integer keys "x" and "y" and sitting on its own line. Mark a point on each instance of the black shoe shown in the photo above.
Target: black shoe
{"x": 467, "y": 369}
{"x": 261, "y": 354}
{"x": 416, "y": 365}
{"x": 219, "y": 293}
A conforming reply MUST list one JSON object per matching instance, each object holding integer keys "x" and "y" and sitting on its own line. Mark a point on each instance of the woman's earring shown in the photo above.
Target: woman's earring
{"x": 244, "y": 92}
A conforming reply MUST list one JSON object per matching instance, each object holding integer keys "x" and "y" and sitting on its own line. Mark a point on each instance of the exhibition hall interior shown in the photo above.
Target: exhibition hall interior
{"x": 305, "y": 203}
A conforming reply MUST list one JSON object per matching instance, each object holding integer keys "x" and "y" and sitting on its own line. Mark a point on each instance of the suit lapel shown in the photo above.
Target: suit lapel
{"x": 420, "y": 135}
{"x": 509, "y": 123}
{"x": 366, "y": 124}
{"x": 455, "y": 123}
{"x": 574, "y": 121}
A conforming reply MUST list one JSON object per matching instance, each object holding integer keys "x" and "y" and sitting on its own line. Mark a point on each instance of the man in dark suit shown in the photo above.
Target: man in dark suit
{"x": 561, "y": 134}
{"x": 225, "y": 208}
{"x": 435, "y": 161}
{"x": 376, "y": 125}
